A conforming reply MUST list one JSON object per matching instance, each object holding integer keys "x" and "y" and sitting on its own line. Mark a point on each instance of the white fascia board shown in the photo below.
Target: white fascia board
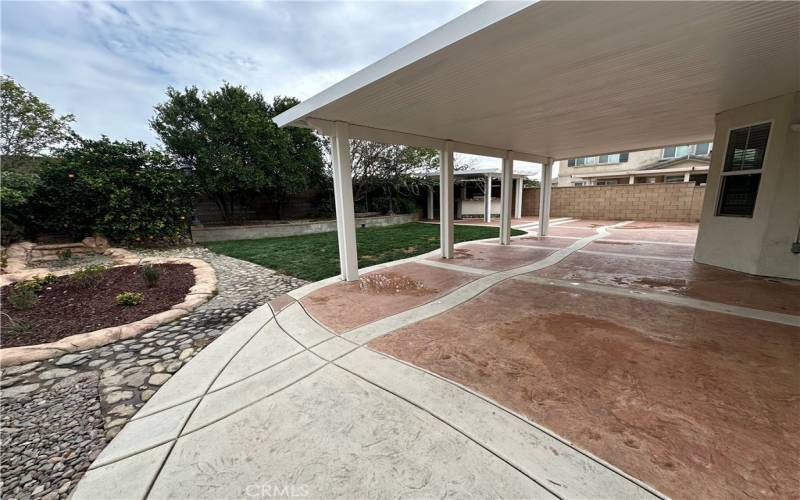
{"x": 471, "y": 22}
{"x": 326, "y": 127}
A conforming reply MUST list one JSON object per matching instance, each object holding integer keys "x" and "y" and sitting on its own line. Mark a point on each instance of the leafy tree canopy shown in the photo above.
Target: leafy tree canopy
{"x": 123, "y": 190}
{"x": 29, "y": 127}
{"x": 234, "y": 148}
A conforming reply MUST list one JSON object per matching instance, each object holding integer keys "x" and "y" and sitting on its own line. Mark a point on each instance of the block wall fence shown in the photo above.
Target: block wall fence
{"x": 679, "y": 202}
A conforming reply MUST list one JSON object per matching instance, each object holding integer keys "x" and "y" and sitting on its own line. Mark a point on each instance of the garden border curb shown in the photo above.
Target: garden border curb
{"x": 204, "y": 288}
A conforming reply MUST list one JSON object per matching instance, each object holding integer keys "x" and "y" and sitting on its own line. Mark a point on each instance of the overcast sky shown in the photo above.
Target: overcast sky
{"x": 109, "y": 63}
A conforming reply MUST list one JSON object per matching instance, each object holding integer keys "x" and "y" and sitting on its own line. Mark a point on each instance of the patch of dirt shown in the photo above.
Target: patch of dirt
{"x": 68, "y": 308}
{"x": 392, "y": 283}
{"x": 463, "y": 253}
{"x": 673, "y": 284}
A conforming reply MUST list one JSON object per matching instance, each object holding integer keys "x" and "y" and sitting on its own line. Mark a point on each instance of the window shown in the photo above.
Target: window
{"x": 698, "y": 179}
{"x": 681, "y": 151}
{"x": 741, "y": 172}
{"x": 598, "y": 160}
{"x": 702, "y": 149}
{"x": 673, "y": 178}
{"x": 607, "y": 182}
{"x": 578, "y": 184}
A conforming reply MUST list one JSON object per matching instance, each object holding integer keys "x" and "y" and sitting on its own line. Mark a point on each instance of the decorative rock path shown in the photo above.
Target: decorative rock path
{"x": 64, "y": 410}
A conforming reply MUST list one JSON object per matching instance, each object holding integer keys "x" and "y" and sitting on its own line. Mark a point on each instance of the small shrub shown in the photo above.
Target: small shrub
{"x": 23, "y": 295}
{"x": 33, "y": 285}
{"x": 151, "y": 274}
{"x": 89, "y": 275}
{"x": 48, "y": 279}
{"x": 130, "y": 298}
{"x": 64, "y": 255}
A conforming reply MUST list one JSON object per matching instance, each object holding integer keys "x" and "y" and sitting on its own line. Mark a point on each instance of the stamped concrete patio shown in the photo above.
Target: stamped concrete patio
{"x": 596, "y": 362}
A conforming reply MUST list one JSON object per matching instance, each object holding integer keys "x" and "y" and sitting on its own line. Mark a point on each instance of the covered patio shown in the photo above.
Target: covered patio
{"x": 583, "y": 359}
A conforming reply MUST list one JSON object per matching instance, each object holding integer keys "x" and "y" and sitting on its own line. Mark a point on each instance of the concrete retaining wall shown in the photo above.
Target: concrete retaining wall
{"x": 256, "y": 231}
{"x": 679, "y": 202}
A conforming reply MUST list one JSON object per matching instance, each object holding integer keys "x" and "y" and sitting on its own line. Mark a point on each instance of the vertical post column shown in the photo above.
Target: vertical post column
{"x": 487, "y": 199}
{"x": 544, "y": 197}
{"x": 505, "y": 198}
{"x": 686, "y": 176}
{"x": 631, "y": 180}
{"x": 518, "y": 201}
{"x": 430, "y": 203}
{"x": 446, "y": 199}
{"x": 343, "y": 195}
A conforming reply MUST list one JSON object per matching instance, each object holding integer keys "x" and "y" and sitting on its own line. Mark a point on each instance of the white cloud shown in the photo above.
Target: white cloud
{"x": 110, "y": 63}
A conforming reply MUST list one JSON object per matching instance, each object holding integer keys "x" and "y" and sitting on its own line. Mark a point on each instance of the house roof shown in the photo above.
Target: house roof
{"x": 691, "y": 163}
{"x": 673, "y": 162}
{"x": 569, "y": 79}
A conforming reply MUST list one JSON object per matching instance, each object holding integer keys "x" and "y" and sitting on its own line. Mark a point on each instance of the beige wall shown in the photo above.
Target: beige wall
{"x": 761, "y": 244}
{"x": 654, "y": 202}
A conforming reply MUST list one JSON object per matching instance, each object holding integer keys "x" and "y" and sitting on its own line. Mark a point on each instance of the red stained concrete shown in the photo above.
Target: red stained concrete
{"x": 379, "y": 294}
{"x": 698, "y": 404}
{"x": 652, "y": 235}
{"x": 575, "y": 232}
{"x": 281, "y": 302}
{"x": 630, "y": 248}
{"x": 585, "y": 223}
{"x": 688, "y": 279}
{"x": 494, "y": 257}
{"x": 681, "y": 226}
{"x": 542, "y": 241}
{"x": 495, "y": 222}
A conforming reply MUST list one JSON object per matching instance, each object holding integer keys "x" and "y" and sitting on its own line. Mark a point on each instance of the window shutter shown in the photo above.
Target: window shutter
{"x": 746, "y": 148}
{"x": 623, "y": 157}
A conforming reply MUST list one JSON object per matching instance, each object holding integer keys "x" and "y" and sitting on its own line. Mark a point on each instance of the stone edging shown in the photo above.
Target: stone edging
{"x": 205, "y": 282}
{"x": 19, "y": 255}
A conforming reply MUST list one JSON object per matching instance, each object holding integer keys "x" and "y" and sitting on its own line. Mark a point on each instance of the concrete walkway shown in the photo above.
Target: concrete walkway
{"x": 281, "y": 406}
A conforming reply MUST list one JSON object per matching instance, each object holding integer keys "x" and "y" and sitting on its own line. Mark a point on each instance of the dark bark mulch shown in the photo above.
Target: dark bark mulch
{"x": 67, "y": 308}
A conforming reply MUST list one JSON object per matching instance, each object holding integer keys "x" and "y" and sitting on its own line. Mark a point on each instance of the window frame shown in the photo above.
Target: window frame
{"x": 593, "y": 161}
{"x": 759, "y": 171}
{"x": 691, "y": 150}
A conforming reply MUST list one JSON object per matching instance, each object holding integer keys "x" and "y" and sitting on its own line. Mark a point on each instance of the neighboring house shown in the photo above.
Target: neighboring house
{"x": 687, "y": 163}
{"x": 471, "y": 186}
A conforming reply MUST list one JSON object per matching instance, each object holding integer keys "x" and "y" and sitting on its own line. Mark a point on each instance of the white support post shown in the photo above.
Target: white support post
{"x": 544, "y": 197}
{"x": 343, "y": 195}
{"x": 505, "y": 198}
{"x": 518, "y": 200}
{"x": 631, "y": 180}
{"x": 430, "y": 203}
{"x": 446, "y": 199}
{"x": 686, "y": 176}
{"x": 487, "y": 199}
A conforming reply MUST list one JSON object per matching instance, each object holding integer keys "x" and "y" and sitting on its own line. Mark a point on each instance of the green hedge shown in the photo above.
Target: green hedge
{"x": 122, "y": 190}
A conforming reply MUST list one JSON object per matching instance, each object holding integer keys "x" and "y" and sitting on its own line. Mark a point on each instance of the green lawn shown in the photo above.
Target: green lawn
{"x": 316, "y": 256}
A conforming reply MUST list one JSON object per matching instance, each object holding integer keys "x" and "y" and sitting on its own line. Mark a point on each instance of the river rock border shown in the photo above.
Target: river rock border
{"x": 204, "y": 288}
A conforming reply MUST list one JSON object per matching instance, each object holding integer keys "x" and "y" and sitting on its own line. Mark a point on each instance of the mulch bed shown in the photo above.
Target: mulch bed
{"x": 67, "y": 308}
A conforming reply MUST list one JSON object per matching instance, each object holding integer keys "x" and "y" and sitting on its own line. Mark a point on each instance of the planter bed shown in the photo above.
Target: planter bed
{"x": 67, "y": 308}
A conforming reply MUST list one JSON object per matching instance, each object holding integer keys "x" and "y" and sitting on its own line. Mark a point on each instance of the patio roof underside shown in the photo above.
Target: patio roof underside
{"x": 567, "y": 79}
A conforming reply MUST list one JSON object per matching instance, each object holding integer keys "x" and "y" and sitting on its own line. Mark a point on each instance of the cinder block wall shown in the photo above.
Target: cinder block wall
{"x": 679, "y": 202}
